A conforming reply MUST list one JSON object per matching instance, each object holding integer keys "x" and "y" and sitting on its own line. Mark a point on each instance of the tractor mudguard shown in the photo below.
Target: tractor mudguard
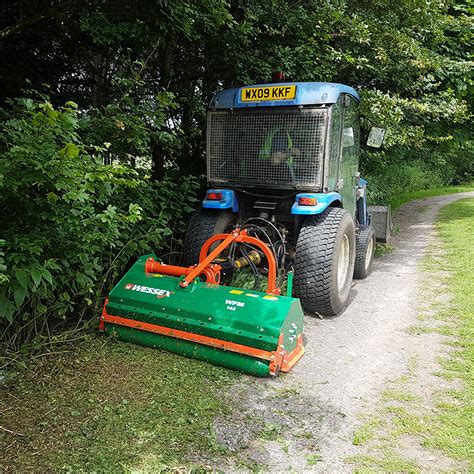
{"x": 323, "y": 201}
{"x": 221, "y": 199}
{"x": 381, "y": 221}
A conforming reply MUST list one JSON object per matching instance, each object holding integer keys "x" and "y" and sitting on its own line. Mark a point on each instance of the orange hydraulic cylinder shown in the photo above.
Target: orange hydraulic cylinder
{"x": 152, "y": 266}
{"x": 209, "y": 274}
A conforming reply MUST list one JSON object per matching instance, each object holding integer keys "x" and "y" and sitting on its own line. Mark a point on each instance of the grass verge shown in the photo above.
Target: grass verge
{"x": 454, "y": 430}
{"x": 110, "y": 406}
{"x": 439, "y": 419}
{"x": 400, "y": 199}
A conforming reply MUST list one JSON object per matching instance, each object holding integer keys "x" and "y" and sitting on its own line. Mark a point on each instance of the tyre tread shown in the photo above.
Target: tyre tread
{"x": 313, "y": 262}
{"x": 202, "y": 225}
{"x": 365, "y": 233}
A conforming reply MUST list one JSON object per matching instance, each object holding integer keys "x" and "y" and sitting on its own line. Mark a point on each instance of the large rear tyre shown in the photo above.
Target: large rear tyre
{"x": 203, "y": 224}
{"x": 324, "y": 262}
{"x": 365, "y": 248}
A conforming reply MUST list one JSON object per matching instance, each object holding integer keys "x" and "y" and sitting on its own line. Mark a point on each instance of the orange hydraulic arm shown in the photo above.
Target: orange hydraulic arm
{"x": 212, "y": 271}
{"x": 243, "y": 237}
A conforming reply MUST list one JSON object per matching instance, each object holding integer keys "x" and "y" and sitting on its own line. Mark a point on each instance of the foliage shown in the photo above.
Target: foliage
{"x": 131, "y": 127}
{"x": 72, "y": 221}
{"x": 396, "y": 178}
{"x": 414, "y": 71}
{"x": 142, "y": 74}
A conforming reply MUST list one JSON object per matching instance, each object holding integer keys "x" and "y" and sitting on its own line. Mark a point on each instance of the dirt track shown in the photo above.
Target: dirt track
{"x": 348, "y": 361}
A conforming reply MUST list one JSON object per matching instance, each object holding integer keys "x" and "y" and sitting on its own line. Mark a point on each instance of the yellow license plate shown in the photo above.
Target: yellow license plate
{"x": 253, "y": 94}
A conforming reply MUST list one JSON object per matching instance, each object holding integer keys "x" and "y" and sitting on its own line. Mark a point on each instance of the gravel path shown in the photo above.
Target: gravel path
{"x": 309, "y": 416}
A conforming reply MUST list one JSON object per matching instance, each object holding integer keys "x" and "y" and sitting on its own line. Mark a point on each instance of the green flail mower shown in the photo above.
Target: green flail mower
{"x": 187, "y": 311}
{"x": 286, "y": 202}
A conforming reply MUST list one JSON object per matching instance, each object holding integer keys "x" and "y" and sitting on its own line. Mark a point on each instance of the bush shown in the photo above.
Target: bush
{"x": 396, "y": 178}
{"x": 69, "y": 221}
{"x": 398, "y": 170}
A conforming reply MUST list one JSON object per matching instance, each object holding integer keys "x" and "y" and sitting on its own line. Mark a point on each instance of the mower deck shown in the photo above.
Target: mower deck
{"x": 249, "y": 331}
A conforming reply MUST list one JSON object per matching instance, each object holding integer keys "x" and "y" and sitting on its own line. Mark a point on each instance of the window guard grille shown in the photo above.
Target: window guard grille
{"x": 266, "y": 147}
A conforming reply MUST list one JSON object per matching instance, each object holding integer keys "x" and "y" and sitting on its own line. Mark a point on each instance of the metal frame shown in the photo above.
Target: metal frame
{"x": 211, "y": 270}
{"x": 328, "y": 151}
{"x": 237, "y": 236}
{"x": 324, "y": 171}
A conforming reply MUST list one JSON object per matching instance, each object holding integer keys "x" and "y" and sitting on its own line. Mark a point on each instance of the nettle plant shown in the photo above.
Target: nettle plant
{"x": 68, "y": 221}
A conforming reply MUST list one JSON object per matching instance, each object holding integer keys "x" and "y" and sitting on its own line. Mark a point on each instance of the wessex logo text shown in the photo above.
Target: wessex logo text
{"x": 146, "y": 289}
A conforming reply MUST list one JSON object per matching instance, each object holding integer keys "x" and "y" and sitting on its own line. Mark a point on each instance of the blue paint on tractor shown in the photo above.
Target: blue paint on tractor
{"x": 228, "y": 200}
{"x": 324, "y": 200}
{"x": 307, "y": 93}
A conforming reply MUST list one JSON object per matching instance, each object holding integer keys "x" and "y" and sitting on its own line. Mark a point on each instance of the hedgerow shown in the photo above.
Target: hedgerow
{"x": 69, "y": 222}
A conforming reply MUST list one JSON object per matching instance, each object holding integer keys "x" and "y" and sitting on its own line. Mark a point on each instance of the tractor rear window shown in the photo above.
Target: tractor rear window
{"x": 266, "y": 147}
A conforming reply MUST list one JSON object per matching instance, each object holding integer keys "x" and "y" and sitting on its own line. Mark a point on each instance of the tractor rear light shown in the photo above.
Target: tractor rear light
{"x": 307, "y": 201}
{"x": 214, "y": 196}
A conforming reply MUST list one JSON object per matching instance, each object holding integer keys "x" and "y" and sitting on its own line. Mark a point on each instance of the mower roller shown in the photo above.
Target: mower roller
{"x": 187, "y": 311}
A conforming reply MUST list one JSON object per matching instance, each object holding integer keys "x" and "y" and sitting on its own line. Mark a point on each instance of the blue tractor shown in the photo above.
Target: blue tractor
{"x": 282, "y": 162}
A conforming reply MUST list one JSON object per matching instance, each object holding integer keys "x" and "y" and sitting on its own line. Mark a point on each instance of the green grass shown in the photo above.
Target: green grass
{"x": 367, "y": 430}
{"x": 272, "y": 432}
{"x": 400, "y": 199}
{"x": 453, "y": 430}
{"x": 313, "y": 459}
{"x": 446, "y": 426}
{"x": 383, "y": 249}
{"x": 394, "y": 394}
{"x": 110, "y": 406}
{"x": 389, "y": 462}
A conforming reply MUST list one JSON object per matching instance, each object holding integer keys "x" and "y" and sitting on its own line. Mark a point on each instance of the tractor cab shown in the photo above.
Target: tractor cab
{"x": 278, "y": 138}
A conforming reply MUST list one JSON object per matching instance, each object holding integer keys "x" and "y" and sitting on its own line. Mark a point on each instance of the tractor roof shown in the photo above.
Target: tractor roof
{"x": 293, "y": 93}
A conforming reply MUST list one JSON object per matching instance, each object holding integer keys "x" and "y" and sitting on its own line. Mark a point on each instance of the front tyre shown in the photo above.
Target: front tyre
{"x": 365, "y": 248}
{"x": 324, "y": 262}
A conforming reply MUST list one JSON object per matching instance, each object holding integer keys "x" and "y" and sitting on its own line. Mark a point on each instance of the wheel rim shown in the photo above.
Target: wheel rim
{"x": 368, "y": 255}
{"x": 343, "y": 263}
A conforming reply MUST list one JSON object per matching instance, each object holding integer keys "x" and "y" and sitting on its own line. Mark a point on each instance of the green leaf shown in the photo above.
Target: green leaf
{"x": 19, "y": 295}
{"x": 47, "y": 276}
{"x": 7, "y": 308}
{"x": 52, "y": 197}
{"x": 22, "y": 278}
{"x": 70, "y": 150}
{"x": 37, "y": 276}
